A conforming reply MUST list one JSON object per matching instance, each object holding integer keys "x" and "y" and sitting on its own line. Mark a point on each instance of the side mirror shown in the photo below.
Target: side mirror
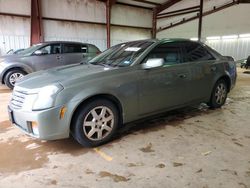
{"x": 41, "y": 52}
{"x": 153, "y": 63}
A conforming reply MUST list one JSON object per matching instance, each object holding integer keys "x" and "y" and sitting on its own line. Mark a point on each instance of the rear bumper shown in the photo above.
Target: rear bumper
{"x": 50, "y": 126}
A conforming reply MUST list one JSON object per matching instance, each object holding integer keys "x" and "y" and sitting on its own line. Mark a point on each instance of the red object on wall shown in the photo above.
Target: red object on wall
{"x": 36, "y": 33}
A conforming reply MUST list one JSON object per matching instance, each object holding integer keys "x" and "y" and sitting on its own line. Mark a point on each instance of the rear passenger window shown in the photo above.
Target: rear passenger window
{"x": 196, "y": 52}
{"x": 169, "y": 52}
{"x": 74, "y": 48}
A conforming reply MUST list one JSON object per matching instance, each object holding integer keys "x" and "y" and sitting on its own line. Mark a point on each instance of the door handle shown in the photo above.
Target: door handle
{"x": 182, "y": 76}
{"x": 213, "y": 68}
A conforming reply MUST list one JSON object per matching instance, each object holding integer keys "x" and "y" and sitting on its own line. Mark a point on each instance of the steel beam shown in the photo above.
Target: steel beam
{"x": 200, "y": 20}
{"x": 166, "y": 5}
{"x": 135, "y": 6}
{"x": 178, "y": 14}
{"x": 215, "y": 9}
{"x": 179, "y": 11}
{"x": 108, "y": 18}
{"x": 154, "y": 24}
{"x": 147, "y": 2}
{"x": 14, "y": 15}
{"x": 36, "y": 29}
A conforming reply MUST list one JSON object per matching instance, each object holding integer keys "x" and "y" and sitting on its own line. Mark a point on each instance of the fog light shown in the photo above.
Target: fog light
{"x": 34, "y": 126}
{"x": 62, "y": 112}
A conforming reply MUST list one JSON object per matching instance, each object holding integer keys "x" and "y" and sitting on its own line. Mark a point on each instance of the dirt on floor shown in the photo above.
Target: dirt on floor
{"x": 193, "y": 147}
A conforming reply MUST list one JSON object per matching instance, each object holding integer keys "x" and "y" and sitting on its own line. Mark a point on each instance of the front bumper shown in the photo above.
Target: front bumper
{"x": 50, "y": 126}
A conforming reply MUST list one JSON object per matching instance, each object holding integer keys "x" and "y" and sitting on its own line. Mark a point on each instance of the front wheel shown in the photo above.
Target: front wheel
{"x": 95, "y": 123}
{"x": 12, "y": 77}
{"x": 219, "y": 94}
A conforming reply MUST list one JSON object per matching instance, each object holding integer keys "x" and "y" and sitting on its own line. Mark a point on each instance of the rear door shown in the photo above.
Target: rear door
{"x": 51, "y": 57}
{"x": 164, "y": 87}
{"x": 74, "y": 53}
{"x": 203, "y": 69}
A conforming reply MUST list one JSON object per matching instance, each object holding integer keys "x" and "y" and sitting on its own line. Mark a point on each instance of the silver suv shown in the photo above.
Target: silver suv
{"x": 43, "y": 56}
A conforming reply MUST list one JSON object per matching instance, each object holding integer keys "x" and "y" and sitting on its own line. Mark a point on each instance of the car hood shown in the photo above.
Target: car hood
{"x": 60, "y": 75}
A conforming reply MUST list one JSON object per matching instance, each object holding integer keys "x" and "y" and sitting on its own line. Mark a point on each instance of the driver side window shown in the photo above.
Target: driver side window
{"x": 51, "y": 49}
{"x": 169, "y": 52}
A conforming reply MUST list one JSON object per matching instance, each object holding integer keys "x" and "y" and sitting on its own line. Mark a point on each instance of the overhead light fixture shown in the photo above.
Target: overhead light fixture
{"x": 230, "y": 37}
{"x": 247, "y": 35}
{"x": 213, "y": 38}
{"x": 194, "y": 39}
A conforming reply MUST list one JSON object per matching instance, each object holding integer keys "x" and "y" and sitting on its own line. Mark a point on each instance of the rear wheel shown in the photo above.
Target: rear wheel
{"x": 95, "y": 123}
{"x": 13, "y": 76}
{"x": 219, "y": 94}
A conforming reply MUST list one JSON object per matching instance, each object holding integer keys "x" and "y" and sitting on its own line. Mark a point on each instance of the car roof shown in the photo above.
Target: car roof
{"x": 66, "y": 42}
{"x": 165, "y": 40}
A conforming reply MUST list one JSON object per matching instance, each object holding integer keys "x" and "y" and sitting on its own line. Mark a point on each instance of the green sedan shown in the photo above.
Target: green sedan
{"x": 127, "y": 82}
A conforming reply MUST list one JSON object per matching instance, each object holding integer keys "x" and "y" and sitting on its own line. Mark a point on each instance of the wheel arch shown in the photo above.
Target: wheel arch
{"x": 227, "y": 79}
{"x": 109, "y": 97}
{"x": 13, "y": 68}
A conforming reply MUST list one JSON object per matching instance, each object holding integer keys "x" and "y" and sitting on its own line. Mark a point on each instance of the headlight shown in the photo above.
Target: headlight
{"x": 46, "y": 97}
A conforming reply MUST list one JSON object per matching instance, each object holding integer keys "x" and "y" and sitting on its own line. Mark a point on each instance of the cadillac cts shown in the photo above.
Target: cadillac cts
{"x": 127, "y": 82}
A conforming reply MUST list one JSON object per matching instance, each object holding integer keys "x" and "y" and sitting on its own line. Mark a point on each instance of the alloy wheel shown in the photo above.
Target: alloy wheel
{"x": 220, "y": 93}
{"x": 98, "y": 123}
{"x": 15, "y": 77}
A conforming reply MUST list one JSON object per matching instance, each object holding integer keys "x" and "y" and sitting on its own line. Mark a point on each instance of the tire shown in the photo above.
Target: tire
{"x": 12, "y": 76}
{"x": 219, "y": 94}
{"x": 90, "y": 127}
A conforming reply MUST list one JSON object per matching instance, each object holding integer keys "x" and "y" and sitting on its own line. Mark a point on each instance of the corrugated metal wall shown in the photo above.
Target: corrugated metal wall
{"x": 230, "y": 21}
{"x": 238, "y": 48}
{"x": 86, "y": 10}
{"x": 14, "y": 31}
{"x": 131, "y": 16}
{"x": 80, "y": 10}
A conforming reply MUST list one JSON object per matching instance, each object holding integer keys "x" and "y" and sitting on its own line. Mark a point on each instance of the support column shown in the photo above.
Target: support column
{"x": 36, "y": 33}
{"x": 200, "y": 20}
{"x": 154, "y": 23}
{"x": 108, "y": 16}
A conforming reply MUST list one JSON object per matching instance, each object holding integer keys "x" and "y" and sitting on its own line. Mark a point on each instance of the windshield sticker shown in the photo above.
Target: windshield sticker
{"x": 132, "y": 49}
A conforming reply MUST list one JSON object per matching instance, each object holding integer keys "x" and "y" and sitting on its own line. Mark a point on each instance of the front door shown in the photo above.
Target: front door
{"x": 50, "y": 57}
{"x": 164, "y": 87}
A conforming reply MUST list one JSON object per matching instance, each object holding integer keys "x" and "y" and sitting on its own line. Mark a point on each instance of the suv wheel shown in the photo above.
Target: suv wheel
{"x": 219, "y": 94}
{"x": 12, "y": 77}
{"x": 95, "y": 123}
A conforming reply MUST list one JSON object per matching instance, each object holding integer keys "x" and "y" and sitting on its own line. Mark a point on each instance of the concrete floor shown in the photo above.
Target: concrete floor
{"x": 192, "y": 147}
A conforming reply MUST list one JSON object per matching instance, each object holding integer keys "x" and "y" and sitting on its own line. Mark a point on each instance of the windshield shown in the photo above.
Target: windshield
{"x": 121, "y": 55}
{"x": 30, "y": 50}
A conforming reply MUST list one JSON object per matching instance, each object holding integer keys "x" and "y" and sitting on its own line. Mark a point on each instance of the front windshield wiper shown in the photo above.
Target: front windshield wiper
{"x": 102, "y": 64}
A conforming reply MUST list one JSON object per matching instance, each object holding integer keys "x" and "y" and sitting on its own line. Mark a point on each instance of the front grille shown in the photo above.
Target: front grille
{"x": 17, "y": 100}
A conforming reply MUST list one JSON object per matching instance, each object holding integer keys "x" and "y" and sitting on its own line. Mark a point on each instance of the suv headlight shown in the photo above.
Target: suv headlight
{"x": 46, "y": 97}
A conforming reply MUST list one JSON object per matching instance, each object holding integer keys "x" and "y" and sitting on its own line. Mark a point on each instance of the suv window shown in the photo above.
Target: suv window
{"x": 196, "y": 52}
{"x": 170, "y": 52}
{"x": 52, "y": 49}
{"x": 93, "y": 49}
{"x": 74, "y": 48}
